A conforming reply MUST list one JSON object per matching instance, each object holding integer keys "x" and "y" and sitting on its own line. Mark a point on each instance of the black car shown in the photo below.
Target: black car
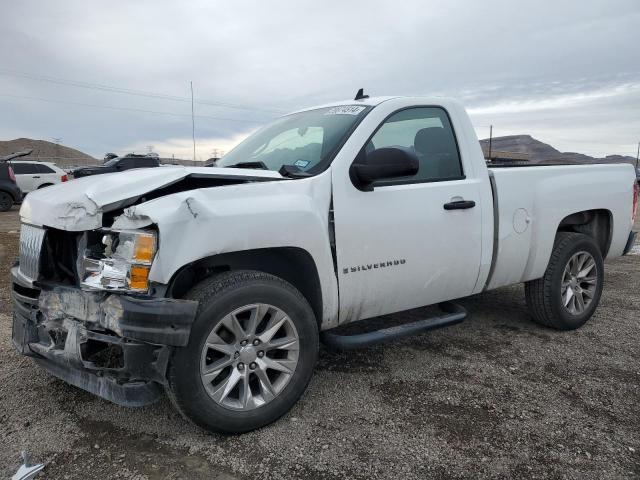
{"x": 10, "y": 193}
{"x": 119, "y": 164}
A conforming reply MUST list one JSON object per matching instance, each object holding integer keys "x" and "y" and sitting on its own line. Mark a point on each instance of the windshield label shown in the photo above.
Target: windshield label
{"x": 302, "y": 163}
{"x": 345, "y": 110}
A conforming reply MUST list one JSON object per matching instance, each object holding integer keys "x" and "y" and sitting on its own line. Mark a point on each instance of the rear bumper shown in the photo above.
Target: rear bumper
{"x": 630, "y": 242}
{"x": 114, "y": 346}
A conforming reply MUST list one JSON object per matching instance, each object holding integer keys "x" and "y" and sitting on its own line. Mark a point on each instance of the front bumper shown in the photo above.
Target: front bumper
{"x": 114, "y": 346}
{"x": 630, "y": 242}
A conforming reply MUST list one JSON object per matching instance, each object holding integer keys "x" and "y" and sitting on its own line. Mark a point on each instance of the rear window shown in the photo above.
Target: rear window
{"x": 4, "y": 171}
{"x": 45, "y": 169}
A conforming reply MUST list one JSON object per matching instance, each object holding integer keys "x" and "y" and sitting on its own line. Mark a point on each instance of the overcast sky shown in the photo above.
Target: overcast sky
{"x": 566, "y": 72}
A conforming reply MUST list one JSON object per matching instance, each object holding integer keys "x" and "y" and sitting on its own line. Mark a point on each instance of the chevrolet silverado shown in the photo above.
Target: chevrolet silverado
{"x": 216, "y": 285}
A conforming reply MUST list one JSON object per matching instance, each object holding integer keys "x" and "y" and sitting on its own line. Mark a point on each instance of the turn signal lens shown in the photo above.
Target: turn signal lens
{"x": 145, "y": 248}
{"x": 139, "y": 277}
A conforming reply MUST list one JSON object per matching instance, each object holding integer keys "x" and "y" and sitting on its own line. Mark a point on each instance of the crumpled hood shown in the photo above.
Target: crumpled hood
{"x": 78, "y": 205}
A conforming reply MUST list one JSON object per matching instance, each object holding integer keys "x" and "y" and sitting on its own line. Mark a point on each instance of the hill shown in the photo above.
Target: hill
{"x": 47, "y": 152}
{"x": 538, "y": 152}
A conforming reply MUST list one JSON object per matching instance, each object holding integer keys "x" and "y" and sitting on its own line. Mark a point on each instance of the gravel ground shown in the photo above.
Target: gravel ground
{"x": 493, "y": 397}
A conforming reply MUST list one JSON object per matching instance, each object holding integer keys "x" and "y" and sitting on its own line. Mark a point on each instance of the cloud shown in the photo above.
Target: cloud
{"x": 183, "y": 147}
{"x": 510, "y": 62}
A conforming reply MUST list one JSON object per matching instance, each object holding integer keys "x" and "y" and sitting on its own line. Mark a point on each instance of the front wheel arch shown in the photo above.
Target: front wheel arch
{"x": 292, "y": 264}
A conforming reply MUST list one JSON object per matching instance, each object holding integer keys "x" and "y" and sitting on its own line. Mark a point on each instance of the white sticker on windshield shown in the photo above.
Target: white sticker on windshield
{"x": 345, "y": 110}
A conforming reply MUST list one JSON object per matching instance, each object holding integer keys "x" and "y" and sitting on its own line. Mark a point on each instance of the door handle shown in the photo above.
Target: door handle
{"x": 459, "y": 205}
{"x": 36, "y": 176}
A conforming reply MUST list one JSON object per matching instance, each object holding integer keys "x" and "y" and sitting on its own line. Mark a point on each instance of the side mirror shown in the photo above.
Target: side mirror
{"x": 382, "y": 164}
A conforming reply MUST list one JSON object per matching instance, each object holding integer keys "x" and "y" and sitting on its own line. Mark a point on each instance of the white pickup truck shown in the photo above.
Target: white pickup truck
{"x": 214, "y": 284}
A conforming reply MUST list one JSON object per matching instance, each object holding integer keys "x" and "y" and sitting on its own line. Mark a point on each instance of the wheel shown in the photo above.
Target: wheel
{"x": 6, "y": 201}
{"x": 569, "y": 292}
{"x": 250, "y": 356}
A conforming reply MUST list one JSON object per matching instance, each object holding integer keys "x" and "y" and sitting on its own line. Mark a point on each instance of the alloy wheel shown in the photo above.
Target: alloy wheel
{"x": 579, "y": 282}
{"x": 249, "y": 357}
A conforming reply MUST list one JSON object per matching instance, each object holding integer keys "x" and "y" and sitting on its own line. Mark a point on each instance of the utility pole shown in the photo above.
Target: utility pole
{"x": 193, "y": 124}
{"x": 490, "y": 140}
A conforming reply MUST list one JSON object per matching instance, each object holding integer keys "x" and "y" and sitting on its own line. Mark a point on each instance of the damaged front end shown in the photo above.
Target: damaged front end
{"x": 85, "y": 310}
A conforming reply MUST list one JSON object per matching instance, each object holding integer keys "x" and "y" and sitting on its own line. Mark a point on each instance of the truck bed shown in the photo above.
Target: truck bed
{"x": 530, "y": 204}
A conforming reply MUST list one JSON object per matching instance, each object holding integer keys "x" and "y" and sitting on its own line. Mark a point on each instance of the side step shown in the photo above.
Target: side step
{"x": 452, "y": 314}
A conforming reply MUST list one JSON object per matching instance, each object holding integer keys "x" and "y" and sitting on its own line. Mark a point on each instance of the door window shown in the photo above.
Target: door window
{"x": 426, "y": 131}
{"x": 25, "y": 168}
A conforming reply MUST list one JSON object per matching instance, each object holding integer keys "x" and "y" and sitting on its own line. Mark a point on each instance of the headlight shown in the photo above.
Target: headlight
{"x": 117, "y": 260}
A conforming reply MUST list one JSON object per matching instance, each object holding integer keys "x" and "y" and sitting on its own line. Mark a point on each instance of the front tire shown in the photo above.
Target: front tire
{"x": 570, "y": 290}
{"x": 250, "y": 356}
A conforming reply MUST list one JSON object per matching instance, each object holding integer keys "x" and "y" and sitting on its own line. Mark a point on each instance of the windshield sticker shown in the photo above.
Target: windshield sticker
{"x": 345, "y": 110}
{"x": 301, "y": 163}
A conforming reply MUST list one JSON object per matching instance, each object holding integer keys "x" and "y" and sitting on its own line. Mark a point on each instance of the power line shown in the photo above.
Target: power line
{"x": 127, "y": 109}
{"x": 129, "y": 91}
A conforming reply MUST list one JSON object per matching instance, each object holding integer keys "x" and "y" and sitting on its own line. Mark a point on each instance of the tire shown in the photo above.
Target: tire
{"x": 554, "y": 299}
{"x": 6, "y": 201}
{"x": 249, "y": 405}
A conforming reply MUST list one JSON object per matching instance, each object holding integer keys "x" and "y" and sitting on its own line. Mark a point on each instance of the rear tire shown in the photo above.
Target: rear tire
{"x": 6, "y": 201}
{"x": 236, "y": 344}
{"x": 569, "y": 292}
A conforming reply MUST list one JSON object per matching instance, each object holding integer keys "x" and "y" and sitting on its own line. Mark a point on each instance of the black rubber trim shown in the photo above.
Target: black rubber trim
{"x": 452, "y": 314}
{"x": 164, "y": 321}
{"x": 128, "y": 394}
{"x": 630, "y": 242}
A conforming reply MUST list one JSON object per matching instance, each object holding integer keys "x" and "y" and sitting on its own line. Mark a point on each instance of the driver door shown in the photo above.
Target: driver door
{"x": 398, "y": 246}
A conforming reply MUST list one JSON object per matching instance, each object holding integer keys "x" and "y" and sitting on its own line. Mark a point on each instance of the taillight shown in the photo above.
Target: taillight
{"x": 64, "y": 178}
{"x": 634, "y": 208}
{"x": 11, "y": 175}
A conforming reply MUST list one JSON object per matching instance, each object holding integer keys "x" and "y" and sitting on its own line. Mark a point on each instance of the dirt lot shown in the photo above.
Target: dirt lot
{"x": 495, "y": 397}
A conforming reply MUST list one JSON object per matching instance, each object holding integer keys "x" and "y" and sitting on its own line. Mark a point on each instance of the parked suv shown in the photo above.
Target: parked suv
{"x": 34, "y": 175}
{"x": 10, "y": 193}
{"x": 119, "y": 164}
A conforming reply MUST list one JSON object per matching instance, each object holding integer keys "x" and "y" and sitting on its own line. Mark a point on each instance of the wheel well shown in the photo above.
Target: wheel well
{"x": 292, "y": 264}
{"x": 595, "y": 223}
{"x": 8, "y": 193}
{"x": 46, "y": 185}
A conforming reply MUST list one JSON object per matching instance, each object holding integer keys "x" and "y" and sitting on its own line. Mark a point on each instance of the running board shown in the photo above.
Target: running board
{"x": 452, "y": 314}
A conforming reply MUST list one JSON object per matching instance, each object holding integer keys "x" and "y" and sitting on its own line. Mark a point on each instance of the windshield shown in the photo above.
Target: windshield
{"x": 112, "y": 162}
{"x": 305, "y": 140}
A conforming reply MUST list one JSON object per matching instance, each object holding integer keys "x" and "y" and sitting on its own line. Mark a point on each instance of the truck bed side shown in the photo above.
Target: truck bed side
{"x": 532, "y": 203}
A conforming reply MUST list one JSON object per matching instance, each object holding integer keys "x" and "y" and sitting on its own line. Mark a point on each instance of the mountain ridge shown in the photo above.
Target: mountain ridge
{"x": 46, "y": 151}
{"x": 538, "y": 151}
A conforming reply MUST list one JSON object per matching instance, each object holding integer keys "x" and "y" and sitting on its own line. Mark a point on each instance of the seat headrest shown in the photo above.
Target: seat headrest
{"x": 433, "y": 140}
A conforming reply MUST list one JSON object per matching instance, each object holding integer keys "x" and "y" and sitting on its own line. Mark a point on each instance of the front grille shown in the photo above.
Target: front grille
{"x": 30, "y": 247}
